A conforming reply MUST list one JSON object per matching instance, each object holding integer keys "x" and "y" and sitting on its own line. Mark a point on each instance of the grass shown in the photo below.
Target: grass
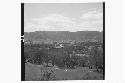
{"x": 33, "y": 73}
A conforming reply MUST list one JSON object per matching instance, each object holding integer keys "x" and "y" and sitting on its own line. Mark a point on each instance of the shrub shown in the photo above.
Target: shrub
{"x": 47, "y": 75}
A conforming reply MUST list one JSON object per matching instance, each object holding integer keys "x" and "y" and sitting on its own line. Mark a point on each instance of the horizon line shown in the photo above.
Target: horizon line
{"x": 60, "y": 31}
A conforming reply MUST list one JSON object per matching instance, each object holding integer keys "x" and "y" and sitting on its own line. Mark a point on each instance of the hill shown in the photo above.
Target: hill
{"x": 63, "y": 35}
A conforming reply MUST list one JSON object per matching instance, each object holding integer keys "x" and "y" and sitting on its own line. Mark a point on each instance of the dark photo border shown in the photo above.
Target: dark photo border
{"x": 22, "y": 43}
{"x": 104, "y": 39}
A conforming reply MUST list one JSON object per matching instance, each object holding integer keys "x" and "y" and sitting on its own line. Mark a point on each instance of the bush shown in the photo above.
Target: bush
{"x": 47, "y": 75}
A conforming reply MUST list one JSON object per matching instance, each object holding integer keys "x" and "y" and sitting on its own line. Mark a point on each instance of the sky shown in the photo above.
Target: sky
{"x": 63, "y": 17}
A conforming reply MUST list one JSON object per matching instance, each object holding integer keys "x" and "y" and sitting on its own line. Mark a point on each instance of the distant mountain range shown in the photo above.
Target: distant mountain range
{"x": 63, "y": 35}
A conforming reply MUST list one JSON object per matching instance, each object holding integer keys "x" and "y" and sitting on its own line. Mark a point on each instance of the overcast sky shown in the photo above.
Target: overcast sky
{"x": 63, "y": 17}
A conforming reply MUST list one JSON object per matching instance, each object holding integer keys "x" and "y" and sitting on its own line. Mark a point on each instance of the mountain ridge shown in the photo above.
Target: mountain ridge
{"x": 63, "y": 35}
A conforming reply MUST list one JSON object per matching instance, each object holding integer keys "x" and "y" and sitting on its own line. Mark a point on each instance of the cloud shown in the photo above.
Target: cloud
{"x": 30, "y": 27}
{"x": 92, "y": 20}
{"x": 55, "y": 22}
{"x": 92, "y": 15}
{"x": 53, "y": 18}
{"x": 58, "y": 22}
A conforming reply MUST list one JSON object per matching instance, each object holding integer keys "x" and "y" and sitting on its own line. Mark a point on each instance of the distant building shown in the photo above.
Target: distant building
{"x": 81, "y": 55}
{"x": 58, "y": 45}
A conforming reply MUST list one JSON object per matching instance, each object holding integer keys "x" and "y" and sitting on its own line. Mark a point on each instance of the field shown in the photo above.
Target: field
{"x": 33, "y": 73}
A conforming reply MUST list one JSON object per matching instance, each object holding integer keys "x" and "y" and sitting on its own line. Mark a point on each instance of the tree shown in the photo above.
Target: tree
{"x": 37, "y": 59}
{"x": 26, "y": 56}
{"x": 41, "y": 57}
{"x": 96, "y": 57}
{"x": 82, "y": 61}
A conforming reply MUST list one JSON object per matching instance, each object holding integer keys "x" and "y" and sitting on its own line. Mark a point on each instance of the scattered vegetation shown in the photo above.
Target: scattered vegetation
{"x": 47, "y": 75}
{"x": 71, "y": 56}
